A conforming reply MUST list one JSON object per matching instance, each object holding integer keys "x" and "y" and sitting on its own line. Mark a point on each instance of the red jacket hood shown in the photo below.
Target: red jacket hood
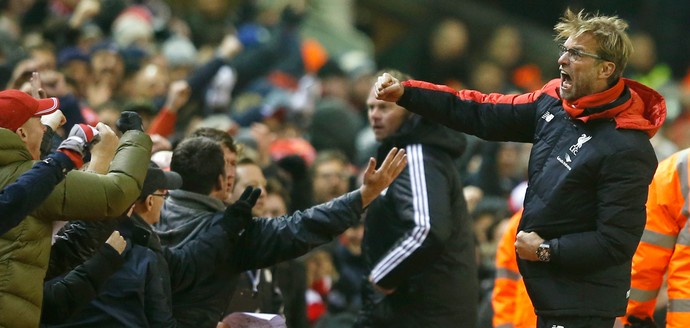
{"x": 644, "y": 110}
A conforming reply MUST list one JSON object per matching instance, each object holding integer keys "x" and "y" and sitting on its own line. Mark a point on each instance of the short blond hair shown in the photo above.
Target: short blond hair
{"x": 609, "y": 31}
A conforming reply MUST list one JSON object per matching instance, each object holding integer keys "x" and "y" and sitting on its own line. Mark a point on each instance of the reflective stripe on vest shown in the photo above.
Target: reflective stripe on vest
{"x": 679, "y": 305}
{"x": 642, "y": 295}
{"x": 658, "y": 239}
{"x": 507, "y": 274}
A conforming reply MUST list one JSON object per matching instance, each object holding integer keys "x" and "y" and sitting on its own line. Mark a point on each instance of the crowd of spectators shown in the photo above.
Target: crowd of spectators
{"x": 292, "y": 102}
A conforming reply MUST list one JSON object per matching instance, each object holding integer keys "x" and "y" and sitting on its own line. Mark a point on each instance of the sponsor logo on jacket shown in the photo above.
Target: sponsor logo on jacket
{"x": 547, "y": 117}
{"x": 580, "y": 141}
{"x": 564, "y": 163}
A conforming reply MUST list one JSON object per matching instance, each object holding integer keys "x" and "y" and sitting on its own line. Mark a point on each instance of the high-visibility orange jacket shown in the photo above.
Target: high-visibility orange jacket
{"x": 511, "y": 304}
{"x": 665, "y": 245}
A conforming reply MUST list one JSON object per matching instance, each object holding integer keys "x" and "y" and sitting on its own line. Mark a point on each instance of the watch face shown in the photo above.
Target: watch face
{"x": 544, "y": 253}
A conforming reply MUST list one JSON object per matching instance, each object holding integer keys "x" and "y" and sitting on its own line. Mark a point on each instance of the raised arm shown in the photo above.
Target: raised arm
{"x": 494, "y": 116}
{"x": 85, "y": 195}
{"x": 269, "y": 241}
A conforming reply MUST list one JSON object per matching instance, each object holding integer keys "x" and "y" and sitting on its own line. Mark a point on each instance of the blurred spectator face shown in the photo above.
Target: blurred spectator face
{"x": 449, "y": 40}
{"x": 335, "y": 86}
{"x": 319, "y": 265}
{"x": 151, "y": 81}
{"x": 107, "y": 66}
{"x": 481, "y": 226}
{"x": 78, "y": 71}
{"x": 487, "y": 77}
{"x": 507, "y": 158}
{"x": 109, "y": 115}
{"x": 32, "y": 135}
{"x": 230, "y": 170}
{"x": 44, "y": 58}
{"x": 353, "y": 239}
{"x": 506, "y": 46}
{"x": 251, "y": 175}
{"x": 385, "y": 117}
{"x": 331, "y": 179}
{"x": 643, "y": 58}
{"x": 274, "y": 206}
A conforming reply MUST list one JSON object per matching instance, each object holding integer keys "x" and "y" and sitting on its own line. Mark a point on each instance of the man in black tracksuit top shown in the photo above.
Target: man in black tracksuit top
{"x": 418, "y": 243}
{"x": 589, "y": 169}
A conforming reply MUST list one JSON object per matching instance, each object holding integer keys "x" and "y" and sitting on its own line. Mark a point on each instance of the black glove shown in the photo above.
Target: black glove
{"x": 239, "y": 214}
{"x": 635, "y": 322}
{"x": 129, "y": 121}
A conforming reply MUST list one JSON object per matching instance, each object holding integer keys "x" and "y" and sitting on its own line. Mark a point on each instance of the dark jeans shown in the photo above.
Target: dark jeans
{"x": 575, "y": 322}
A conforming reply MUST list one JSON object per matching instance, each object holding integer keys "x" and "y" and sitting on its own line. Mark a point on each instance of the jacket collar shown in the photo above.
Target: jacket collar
{"x": 137, "y": 230}
{"x": 607, "y": 101}
{"x": 12, "y": 149}
{"x": 631, "y": 104}
{"x": 197, "y": 201}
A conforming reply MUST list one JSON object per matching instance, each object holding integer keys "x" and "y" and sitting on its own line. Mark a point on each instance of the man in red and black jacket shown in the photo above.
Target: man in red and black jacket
{"x": 589, "y": 169}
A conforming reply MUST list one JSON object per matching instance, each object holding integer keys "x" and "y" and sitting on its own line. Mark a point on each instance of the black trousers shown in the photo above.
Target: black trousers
{"x": 575, "y": 322}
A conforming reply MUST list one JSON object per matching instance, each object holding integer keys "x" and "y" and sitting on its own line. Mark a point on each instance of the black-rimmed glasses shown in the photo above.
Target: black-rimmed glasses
{"x": 165, "y": 195}
{"x": 575, "y": 55}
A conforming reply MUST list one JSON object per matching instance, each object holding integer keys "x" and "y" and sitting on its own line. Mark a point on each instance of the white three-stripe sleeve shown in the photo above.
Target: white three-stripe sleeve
{"x": 415, "y": 237}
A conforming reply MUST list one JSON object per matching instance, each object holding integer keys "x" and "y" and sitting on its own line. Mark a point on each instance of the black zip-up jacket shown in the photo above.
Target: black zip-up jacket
{"x": 589, "y": 170}
{"x": 418, "y": 236}
{"x": 65, "y": 295}
{"x": 264, "y": 242}
{"x": 139, "y": 294}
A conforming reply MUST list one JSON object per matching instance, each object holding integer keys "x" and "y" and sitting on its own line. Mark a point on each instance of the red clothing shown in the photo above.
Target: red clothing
{"x": 164, "y": 123}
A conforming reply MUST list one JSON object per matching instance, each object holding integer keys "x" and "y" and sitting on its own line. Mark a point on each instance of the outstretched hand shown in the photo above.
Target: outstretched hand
{"x": 239, "y": 214}
{"x": 375, "y": 181}
{"x": 388, "y": 88}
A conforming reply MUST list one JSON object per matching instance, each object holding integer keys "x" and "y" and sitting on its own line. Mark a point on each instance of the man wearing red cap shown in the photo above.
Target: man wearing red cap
{"x": 20, "y": 198}
{"x": 24, "y": 250}
{"x": 21, "y": 113}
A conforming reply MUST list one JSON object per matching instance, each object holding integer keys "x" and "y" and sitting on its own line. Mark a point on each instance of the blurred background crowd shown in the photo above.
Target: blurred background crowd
{"x": 288, "y": 80}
